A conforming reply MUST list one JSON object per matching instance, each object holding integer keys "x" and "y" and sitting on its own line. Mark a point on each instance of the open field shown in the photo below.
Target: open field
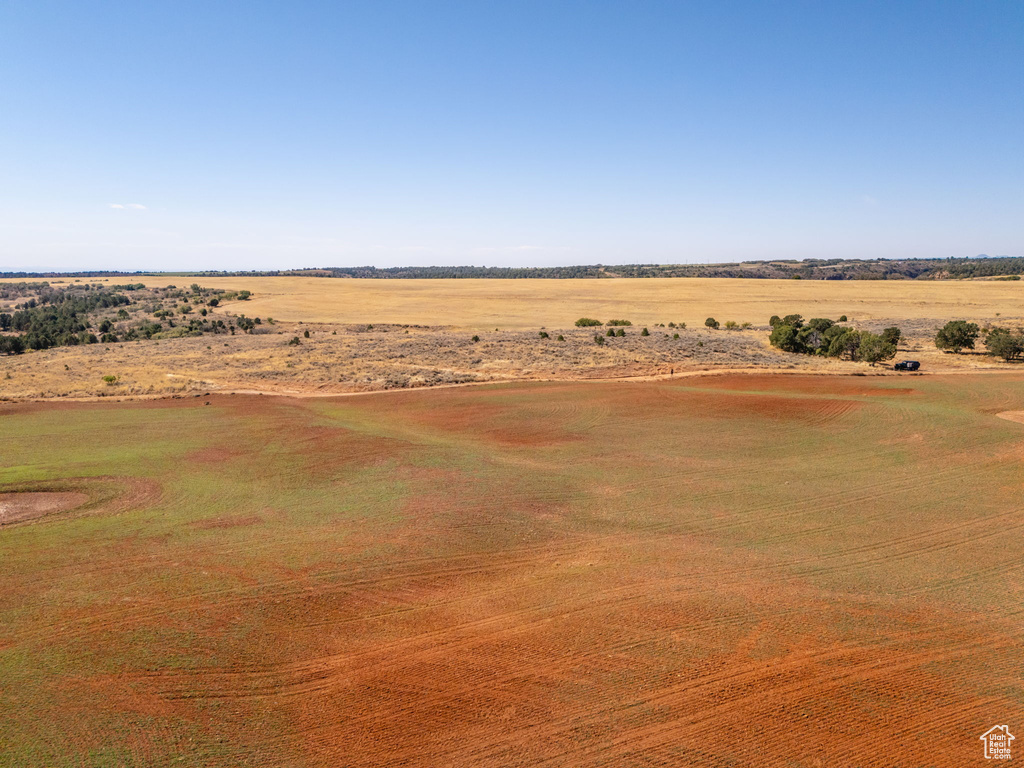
{"x": 511, "y": 304}
{"x": 154, "y": 351}
{"x": 727, "y": 571}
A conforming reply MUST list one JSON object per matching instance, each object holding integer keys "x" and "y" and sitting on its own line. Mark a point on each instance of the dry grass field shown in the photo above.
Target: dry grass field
{"x": 512, "y": 304}
{"x": 796, "y": 571}
{"x": 387, "y": 334}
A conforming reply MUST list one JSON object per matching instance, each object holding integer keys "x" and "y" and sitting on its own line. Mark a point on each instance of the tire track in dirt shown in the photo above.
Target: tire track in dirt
{"x": 912, "y": 546}
{"x": 757, "y": 687}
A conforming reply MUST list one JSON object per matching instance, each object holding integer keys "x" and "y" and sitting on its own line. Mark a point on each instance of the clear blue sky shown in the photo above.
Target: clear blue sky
{"x": 286, "y": 134}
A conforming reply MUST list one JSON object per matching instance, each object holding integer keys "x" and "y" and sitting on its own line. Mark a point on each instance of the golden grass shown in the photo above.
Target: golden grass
{"x": 481, "y": 304}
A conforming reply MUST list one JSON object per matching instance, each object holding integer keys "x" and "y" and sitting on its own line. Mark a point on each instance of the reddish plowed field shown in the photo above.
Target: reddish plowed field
{"x": 735, "y": 571}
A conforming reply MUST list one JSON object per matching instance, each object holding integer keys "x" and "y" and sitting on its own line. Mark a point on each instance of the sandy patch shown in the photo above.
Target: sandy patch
{"x": 1017, "y": 416}
{"x": 17, "y": 507}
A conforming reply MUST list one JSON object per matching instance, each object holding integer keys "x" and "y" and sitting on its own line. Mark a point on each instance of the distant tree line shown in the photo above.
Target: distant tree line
{"x": 806, "y": 269}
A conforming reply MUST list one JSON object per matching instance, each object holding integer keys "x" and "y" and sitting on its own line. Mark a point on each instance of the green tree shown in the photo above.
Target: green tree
{"x": 796, "y": 321}
{"x": 711, "y": 323}
{"x": 892, "y": 335}
{"x": 957, "y": 335}
{"x": 1003, "y": 343}
{"x": 845, "y": 344}
{"x": 874, "y": 348}
{"x": 785, "y": 337}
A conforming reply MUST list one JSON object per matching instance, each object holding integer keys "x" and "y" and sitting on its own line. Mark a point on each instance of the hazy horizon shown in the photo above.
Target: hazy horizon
{"x": 194, "y": 136}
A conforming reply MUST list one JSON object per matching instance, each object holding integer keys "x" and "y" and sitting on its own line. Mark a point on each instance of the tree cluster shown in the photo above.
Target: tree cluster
{"x": 83, "y": 314}
{"x": 821, "y": 336}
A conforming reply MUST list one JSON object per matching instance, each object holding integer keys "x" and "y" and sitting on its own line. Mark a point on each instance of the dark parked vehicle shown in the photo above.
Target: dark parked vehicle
{"x": 906, "y": 365}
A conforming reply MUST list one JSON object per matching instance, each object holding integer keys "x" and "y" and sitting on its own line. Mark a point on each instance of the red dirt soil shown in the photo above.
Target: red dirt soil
{"x": 519, "y": 615}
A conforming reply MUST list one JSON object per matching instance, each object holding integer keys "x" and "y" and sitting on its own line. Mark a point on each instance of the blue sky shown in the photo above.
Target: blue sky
{"x": 288, "y": 134}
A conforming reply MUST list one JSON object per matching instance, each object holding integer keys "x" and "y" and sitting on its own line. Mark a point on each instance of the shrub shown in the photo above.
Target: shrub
{"x": 305, "y": 333}
{"x": 620, "y": 332}
{"x": 476, "y": 338}
{"x": 711, "y": 322}
{"x": 842, "y": 319}
{"x": 671, "y": 325}
{"x": 598, "y": 339}
{"x": 774, "y": 320}
{"x": 681, "y": 326}
{"x": 957, "y": 335}
{"x": 675, "y": 335}
{"x": 645, "y": 332}
{"x": 544, "y": 335}
{"x": 618, "y": 322}
{"x": 561, "y": 337}
{"x": 731, "y": 325}
{"x": 294, "y": 341}
{"x": 584, "y": 322}
{"x": 111, "y": 380}
{"x": 611, "y": 332}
